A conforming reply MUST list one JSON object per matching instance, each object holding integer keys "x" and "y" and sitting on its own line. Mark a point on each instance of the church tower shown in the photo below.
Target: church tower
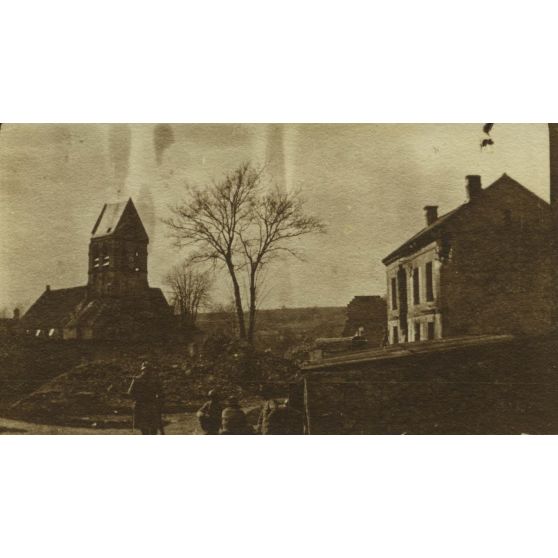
{"x": 118, "y": 253}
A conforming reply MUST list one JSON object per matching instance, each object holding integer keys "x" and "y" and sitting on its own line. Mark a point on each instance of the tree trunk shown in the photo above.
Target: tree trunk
{"x": 252, "y": 313}
{"x": 237, "y": 301}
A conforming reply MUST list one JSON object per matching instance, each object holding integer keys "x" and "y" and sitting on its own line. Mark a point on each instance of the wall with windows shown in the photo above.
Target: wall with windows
{"x": 421, "y": 273}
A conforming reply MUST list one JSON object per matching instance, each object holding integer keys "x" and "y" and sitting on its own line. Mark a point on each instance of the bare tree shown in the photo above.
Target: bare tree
{"x": 277, "y": 218}
{"x": 244, "y": 226}
{"x": 190, "y": 290}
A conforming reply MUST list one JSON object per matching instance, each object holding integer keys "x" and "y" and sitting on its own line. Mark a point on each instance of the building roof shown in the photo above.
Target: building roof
{"x": 53, "y": 308}
{"x": 70, "y": 308}
{"x": 116, "y": 217}
{"x": 407, "y": 350}
{"x": 123, "y": 312}
{"x": 432, "y": 232}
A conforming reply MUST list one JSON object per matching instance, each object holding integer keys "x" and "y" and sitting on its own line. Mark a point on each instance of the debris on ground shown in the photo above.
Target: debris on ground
{"x": 98, "y": 387}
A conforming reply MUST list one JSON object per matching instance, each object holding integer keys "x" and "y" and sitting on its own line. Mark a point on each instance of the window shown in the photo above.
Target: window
{"x": 395, "y": 333}
{"x": 393, "y": 293}
{"x": 95, "y": 253}
{"x": 429, "y": 282}
{"x": 431, "y": 330}
{"x": 106, "y": 261}
{"x": 417, "y": 331}
{"x": 507, "y": 216}
{"x": 416, "y": 286}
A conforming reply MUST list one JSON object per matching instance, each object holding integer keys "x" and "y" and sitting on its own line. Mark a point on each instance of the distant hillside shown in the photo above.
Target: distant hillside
{"x": 281, "y": 328}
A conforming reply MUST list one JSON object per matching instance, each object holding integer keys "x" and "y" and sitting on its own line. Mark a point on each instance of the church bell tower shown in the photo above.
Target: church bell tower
{"x": 118, "y": 253}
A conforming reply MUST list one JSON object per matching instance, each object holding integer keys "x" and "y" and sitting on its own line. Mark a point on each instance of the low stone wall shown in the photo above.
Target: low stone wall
{"x": 511, "y": 388}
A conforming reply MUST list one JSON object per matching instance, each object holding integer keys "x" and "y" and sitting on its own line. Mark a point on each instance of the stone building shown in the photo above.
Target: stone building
{"x": 483, "y": 268}
{"x": 366, "y": 316}
{"x": 117, "y": 301}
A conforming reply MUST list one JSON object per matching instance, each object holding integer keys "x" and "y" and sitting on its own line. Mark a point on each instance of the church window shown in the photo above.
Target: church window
{"x": 96, "y": 259}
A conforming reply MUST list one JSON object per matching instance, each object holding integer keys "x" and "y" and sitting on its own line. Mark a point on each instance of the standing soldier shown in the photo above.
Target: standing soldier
{"x": 282, "y": 417}
{"x": 147, "y": 393}
{"x": 269, "y": 406}
{"x": 210, "y": 413}
{"x": 233, "y": 419}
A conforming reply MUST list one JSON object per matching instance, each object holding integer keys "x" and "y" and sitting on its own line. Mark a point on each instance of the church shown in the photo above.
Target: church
{"x": 117, "y": 302}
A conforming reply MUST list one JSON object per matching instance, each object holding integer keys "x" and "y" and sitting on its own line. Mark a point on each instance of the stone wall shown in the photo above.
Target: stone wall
{"x": 507, "y": 388}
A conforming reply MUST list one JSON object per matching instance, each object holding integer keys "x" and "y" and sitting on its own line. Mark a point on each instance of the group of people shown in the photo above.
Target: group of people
{"x": 219, "y": 415}
{"x": 224, "y": 416}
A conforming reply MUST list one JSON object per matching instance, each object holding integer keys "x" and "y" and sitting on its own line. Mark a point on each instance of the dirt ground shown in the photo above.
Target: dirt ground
{"x": 183, "y": 423}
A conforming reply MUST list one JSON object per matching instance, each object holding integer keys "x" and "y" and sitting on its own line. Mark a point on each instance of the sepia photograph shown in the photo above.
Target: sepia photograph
{"x": 290, "y": 223}
{"x": 279, "y": 279}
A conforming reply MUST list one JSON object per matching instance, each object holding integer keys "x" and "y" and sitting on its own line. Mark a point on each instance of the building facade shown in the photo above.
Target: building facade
{"x": 483, "y": 268}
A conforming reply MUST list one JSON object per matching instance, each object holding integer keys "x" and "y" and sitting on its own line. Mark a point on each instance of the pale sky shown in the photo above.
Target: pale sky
{"x": 368, "y": 182}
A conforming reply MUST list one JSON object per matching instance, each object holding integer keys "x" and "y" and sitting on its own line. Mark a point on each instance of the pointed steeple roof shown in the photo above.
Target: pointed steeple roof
{"x": 119, "y": 219}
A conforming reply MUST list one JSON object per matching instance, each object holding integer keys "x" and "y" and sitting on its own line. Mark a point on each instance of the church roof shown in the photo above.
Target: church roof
{"x": 53, "y": 308}
{"x": 71, "y": 308}
{"x": 118, "y": 217}
{"x": 128, "y": 313}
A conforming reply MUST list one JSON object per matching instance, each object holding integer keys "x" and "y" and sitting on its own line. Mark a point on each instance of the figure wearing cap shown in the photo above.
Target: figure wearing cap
{"x": 209, "y": 414}
{"x": 146, "y": 390}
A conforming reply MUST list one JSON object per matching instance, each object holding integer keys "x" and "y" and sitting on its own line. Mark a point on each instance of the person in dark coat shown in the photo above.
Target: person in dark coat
{"x": 233, "y": 419}
{"x": 147, "y": 393}
{"x": 210, "y": 413}
{"x": 281, "y": 416}
{"x": 269, "y": 406}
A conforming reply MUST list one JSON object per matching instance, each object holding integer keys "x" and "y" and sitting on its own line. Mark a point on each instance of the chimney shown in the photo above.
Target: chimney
{"x": 16, "y": 313}
{"x": 431, "y": 214}
{"x": 47, "y": 288}
{"x": 474, "y": 187}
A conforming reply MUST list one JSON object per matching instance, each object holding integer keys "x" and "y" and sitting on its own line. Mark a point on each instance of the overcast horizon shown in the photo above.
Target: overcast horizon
{"x": 368, "y": 182}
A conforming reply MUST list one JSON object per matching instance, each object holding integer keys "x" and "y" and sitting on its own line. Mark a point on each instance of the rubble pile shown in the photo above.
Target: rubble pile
{"x": 99, "y": 388}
